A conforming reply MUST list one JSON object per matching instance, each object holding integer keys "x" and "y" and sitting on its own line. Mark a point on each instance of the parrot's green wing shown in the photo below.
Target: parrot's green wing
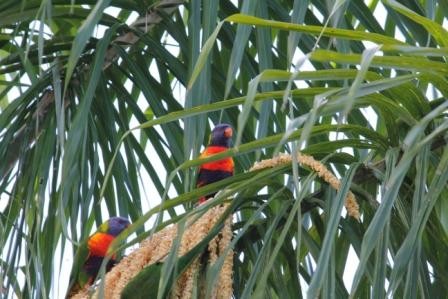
{"x": 147, "y": 282}
{"x": 78, "y": 277}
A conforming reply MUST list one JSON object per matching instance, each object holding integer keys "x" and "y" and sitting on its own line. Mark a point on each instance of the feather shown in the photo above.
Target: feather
{"x": 211, "y": 172}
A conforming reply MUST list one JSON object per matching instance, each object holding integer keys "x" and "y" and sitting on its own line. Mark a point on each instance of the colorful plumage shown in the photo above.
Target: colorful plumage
{"x": 91, "y": 253}
{"x": 210, "y": 172}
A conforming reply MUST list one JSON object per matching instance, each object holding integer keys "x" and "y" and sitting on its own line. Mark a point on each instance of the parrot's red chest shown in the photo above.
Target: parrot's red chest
{"x": 225, "y": 164}
{"x": 99, "y": 243}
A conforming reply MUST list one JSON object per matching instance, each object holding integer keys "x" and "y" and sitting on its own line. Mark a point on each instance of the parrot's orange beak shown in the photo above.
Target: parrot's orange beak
{"x": 228, "y": 132}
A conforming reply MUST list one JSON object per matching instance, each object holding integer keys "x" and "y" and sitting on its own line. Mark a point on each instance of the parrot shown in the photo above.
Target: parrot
{"x": 91, "y": 252}
{"x": 210, "y": 172}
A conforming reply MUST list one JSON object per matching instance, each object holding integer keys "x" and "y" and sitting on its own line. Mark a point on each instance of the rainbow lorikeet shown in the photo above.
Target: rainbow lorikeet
{"x": 210, "y": 172}
{"x": 91, "y": 253}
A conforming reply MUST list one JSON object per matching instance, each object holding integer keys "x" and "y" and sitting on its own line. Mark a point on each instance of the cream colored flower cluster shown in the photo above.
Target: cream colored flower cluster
{"x": 158, "y": 246}
{"x": 193, "y": 235}
{"x": 151, "y": 250}
{"x": 218, "y": 247}
{"x": 322, "y": 171}
{"x": 224, "y": 288}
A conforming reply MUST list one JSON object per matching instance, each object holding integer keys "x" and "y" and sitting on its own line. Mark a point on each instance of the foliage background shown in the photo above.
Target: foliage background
{"x": 76, "y": 77}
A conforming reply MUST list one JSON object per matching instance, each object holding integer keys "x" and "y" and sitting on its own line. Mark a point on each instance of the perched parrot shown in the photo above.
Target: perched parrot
{"x": 210, "y": 172}
{"x": 90, "y": 254}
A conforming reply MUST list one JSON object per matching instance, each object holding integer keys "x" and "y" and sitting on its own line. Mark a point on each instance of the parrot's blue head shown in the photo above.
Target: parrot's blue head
{"x": 116, "y": 225}
{"x": 221, "y": 135}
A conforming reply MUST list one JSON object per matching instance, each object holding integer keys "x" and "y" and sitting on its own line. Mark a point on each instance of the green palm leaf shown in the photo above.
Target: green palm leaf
{"x": 105, "y": 105}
